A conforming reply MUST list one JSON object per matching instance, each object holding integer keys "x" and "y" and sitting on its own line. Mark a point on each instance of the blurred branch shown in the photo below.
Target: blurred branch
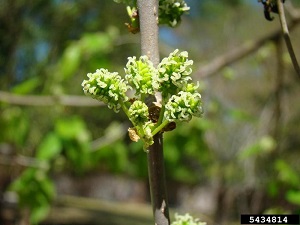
{"x": 80, "y": 210}
{"x": 246, "y": 49}
{"x": 35, "y": 100}
{"x": 23, "y": 161}
{"x": 286, "y": 36}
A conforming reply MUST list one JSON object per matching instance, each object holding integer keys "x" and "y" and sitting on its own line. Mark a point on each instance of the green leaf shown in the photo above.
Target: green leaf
{"x": 273, "y": 188}
{"x": 26, "y": 86}
{"x": 293, "y": 196}
{"x": 36, "y": 191}
{"x": 78, "y": 156}
{"x": 93, "y": 43}
{"x": 14, "y": 123}
{"x": 50, "y": 147}
{"x": 21, "y": 183}
{"x": 287, "y": 174}
{"x": 72, "y": 128}
{"x": 47, "y": 187}
{"x": 70, "y": 61}
{"x": 39, "y": 213}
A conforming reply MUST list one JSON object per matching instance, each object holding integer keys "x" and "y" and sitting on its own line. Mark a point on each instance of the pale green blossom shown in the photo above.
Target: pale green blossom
{"x": 186, "y": 219}
{"x": 173, "y": 73}
{"x": 138, "y": 113}
{"x": 139, "y": 74}
{"x": 170, "y": 11}
{"x": 180, "y": 97}
{"x": 183, "y": 107}
{"x": 107, "y": 87}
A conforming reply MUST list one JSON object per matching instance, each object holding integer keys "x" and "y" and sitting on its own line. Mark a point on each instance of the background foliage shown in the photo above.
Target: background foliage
{"x": 247, "y": 139}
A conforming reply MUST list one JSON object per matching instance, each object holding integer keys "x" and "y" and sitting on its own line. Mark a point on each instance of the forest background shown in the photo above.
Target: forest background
{"x": 241, "y": 157}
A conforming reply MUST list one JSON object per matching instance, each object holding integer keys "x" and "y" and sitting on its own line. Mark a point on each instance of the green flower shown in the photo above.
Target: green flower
{"x": 173, "y": 73}
{"x": 139, "y": 74}
{"x": 183, "y": 107}
{"x": 191, "y": 87}
{"x": 181, "y": 99}
{"x": 107, "y": 87}
{"x": 170, "y": 11}
{"x": 147, "y": 135}
{"x": 186, "y": 219}
{"x": 138, "y": 113}
{"x": 139, "y": 116}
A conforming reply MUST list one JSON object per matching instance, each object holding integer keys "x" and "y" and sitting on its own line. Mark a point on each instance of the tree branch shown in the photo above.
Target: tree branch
{"x": 244, "y": 50}
{"x": 286, "y": 36}
{"x": 24, "y": 161}
{"x": 34, "y": 100}
{"x": 148, "y": 13}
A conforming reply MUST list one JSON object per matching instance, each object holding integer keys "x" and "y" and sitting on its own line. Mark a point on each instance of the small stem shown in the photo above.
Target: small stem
{"x": 160, "y": 127}
{"x": 286, "y": 36}
{"x": 143, "y": 97}
{"x": 125, "y": 109}
{"x": 161, "y": 114}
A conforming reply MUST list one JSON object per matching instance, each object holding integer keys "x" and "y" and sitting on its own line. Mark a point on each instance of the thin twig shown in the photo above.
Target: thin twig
{"x": 286, "y": 36}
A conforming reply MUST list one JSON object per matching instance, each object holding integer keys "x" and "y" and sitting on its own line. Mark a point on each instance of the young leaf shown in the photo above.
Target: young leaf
{"x": 50, "y": 147}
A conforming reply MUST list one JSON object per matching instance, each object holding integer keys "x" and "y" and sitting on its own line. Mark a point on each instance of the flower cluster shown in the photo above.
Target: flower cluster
{"x": 186, "y": 219}
{"x": 138, "y": 113}
{"x": 180, "y": 97}
{"x": 170, "y": 11}
{"x": 183, "y": 106}
{"x": 139, "y": 74}
{"x": 107, "y": 87}
{"x": 173, "y": 73}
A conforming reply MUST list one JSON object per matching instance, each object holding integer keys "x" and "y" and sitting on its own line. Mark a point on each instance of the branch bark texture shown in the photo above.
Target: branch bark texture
{"x": 148, "y": 14}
